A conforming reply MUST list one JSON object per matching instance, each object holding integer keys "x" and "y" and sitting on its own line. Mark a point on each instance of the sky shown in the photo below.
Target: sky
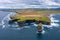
{"x": 21, "y": 4}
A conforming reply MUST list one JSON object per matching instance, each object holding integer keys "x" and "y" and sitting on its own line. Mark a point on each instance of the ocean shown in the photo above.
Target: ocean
{"x": 29, "y": 32}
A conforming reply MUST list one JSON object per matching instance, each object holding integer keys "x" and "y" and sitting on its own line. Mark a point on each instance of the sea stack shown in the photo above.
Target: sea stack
{"x": 39, "y": 27}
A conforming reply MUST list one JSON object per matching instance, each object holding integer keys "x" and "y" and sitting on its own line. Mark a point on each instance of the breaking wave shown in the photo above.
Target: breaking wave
{"x": 54, "y": 22}
{"x": 5, "y": 20}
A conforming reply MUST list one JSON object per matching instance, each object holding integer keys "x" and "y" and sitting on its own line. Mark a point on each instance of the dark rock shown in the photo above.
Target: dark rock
{"x": 21, "y": 24}
{"x": 12, "y": 21}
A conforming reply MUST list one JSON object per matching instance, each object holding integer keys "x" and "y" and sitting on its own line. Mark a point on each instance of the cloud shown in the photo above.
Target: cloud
{"x": 16, "y": 4}
{"x": 5, "y": 1}
{"x": 49, "y": 2}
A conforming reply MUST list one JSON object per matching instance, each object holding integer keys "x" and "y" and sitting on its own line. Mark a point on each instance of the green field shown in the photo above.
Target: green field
{"x": 40, "y": 12}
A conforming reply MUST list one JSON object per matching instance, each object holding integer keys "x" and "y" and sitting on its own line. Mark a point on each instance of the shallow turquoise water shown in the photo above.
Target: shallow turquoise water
{"x": 30, "y": 33}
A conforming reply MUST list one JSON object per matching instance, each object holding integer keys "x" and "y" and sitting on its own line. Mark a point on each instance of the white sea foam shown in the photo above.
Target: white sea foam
{"x": 55, "y": 24}
{"x": 43, "y": 32}
{"x": 26, "y": 26}
{"x": 2, "y": 22}
{"x": 3, "y": 26}
{"x": 35, "y": 25}
{"x": 54, "y": 20}
{"x": 19, "y": 28}
{"x": 6, "y": 18}
{"x": 48, "y": 26}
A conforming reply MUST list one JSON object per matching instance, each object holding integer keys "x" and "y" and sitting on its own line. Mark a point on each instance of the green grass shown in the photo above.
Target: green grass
{"x": 46, "y": 19}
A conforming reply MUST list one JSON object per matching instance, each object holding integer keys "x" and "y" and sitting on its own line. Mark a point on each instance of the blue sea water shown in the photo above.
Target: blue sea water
{"x": 14, "y": 32}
